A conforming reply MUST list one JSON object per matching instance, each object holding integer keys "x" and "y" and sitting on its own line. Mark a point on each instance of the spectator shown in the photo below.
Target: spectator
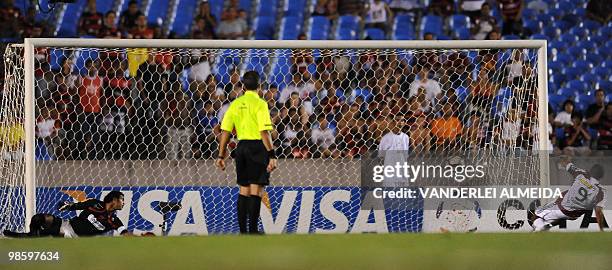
{"x": 294, "y": 102}
{"x": 379, "y": 15}
{"x": 475, "y": 132}
{"x": 231, "y": 26}
{"x": 604, "y": 129}
{"x": 599, "y": 10}
{"x": 109, "y": 29}
{"x": 471, "y": 8}
{"x": 442, "y": 8}
{"x": 576, "y": 137}
{"x": 327, "y": 8}
{"x": 446, "y": 130}
{"x": 31, "y": 27}
{"x": 516, "y": 68}
{"x": 209, "y": 19}
{"x": 291, "y": 133}
{"x": 201, "y": 68}
{"x": 323, "y": 138}
{"x": 299, "y": 86}
{"x": 494, "y": 35}
{"x": 90, "y": 95}
{"x": 177, "y": 113}
{"x": 129, "y": 17}
{"x": 405, "y": 6}
{"x": 300, "y": 60}
{"x": 433, "y": 92}
{"x": 10, "y": 19}
{"x": 350, "y": 7}
{"x": 510, "y": 129}
{"x": 141, "y": 31}
{"x": 46, "y": 131}
{"x": 91, "y": 20}
{"x": 596, "y": 110}
{"x": 484, "y": 23}
{"x": 538, "y": 5}
{"x": 207, "y": 131}
{"x": 202, "y": 30}
{"x": 564, "y": 118}
{"x": 420, "y": 136}
{"x": 511, "y": 11}
{"x": 118, "y": 106}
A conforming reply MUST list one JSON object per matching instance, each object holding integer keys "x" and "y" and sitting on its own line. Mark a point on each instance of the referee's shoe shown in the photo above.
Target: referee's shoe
{"x": 254, "y": 157}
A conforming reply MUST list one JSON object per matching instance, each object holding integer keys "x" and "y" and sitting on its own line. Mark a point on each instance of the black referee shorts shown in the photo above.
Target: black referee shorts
{"x": 251, "y": 159}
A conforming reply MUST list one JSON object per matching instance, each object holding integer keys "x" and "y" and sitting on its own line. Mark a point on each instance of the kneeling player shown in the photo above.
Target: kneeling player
{"x": 97, "y": 218}
{"x": 584, "y": 195}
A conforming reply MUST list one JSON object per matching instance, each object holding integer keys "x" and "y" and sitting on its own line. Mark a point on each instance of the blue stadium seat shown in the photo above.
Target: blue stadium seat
{"x": 601, "y": 72}
{"x": 55, "y": 58}
{"x": 581, "y": 33}
{"x": 563, "y": 58}
{"x": 257, "y": 60}
{"x": 403, "y": 27}
{"x": 599, "y": 37}
{"x": 562, "y": 24}
{"x": 348, "y": 27}
{"x": 511, "y": 37}
{"x": 319, "y": 28}
{"x": 69, "y": 22}
{"x": 216, "y": 8}
{"x": 295, "y": 8}
{"x": 244, "y": 4}
{"x": 604, "y": 85}
{"x": 551, "y": 32}
{"x": 576, "y": 51}
{"x": 572, "y": 72}
{"x": 539, "y": 36}
{"x": 559, "y": 45}
{"x": 158, "y": 9}
{"x": 576, "y": 85}
{"x": 591, "y": 25}
{"x": 532, "y": 25}
{"x": 264, "y": 27}
{"x": 280, "y": 72}
{"x": 588, "y": 45}
{"x": 460, "y": 26}
{"x": 567, "y": 93}
{"x": 529, "y": 14}
{"x": 579, "y": 12}
{"x": 589, "y": 79}
{"x": 556, "y": 66}
{"x": 431, "y": 24}
{"x": 375, "y": 33}
{"x": 291, "y": 28}
{"x": 81, "y": 58}
{"x": 594, "y": 58}
{"x": 568, "y": 38}
{"x": 184, "y": 17}
{"x": 556, "y": 79}
{"x": 267, "y": 8}
{"x": 583, "y": 65}
{"x": 104, "y": 6}
{"x": 555, "y": 100}
{"x": 545, "y": 18}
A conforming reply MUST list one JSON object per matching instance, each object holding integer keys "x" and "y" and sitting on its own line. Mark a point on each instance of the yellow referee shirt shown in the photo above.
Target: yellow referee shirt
{"x": 249, "y": 114}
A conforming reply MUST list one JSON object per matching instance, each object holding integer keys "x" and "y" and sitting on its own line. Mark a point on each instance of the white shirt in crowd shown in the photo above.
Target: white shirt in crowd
{"x": 303, "y": 90}
{"x": 564, "y": 118}
{"x": 472, "y": 5}
{"x": 510, "y": 130}
{"x": 394, "y": 148}
{"x": 405, "y": 4}
{"x": 377, "y": 12}
{"x": 200, "y": 71}
{"x": 323, "y": 137}
{"x": 432, "y": 88}
{"x": 45, "y": 128}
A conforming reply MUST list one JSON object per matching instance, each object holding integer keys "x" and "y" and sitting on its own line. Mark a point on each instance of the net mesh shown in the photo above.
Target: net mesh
{"x": 146, "y": 121}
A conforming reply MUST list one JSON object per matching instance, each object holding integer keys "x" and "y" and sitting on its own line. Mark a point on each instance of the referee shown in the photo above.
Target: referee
{"x": 254, "y": 156}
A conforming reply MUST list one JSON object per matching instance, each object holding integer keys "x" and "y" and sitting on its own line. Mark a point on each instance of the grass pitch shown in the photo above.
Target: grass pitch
{"x": 581, "y": 251}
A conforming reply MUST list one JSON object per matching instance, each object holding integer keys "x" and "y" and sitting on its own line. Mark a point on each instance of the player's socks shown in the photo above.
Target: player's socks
{"x": 243, "y": 205}
{"x": 254, "y": 207}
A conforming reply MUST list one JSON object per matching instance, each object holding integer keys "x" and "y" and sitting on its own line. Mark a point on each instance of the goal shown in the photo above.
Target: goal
{"x": 82, "y": 117}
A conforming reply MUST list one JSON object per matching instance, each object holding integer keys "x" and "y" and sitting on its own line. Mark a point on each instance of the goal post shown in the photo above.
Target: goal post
{"x": 534, "y": 57}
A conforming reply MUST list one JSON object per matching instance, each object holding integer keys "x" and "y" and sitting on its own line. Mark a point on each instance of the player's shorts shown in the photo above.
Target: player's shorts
{"x": 551, "y": 213}
{"x": 251, "y": 159}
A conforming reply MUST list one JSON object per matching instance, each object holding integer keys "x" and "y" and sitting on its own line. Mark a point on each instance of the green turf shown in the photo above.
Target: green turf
{"x": 576, "y": 251}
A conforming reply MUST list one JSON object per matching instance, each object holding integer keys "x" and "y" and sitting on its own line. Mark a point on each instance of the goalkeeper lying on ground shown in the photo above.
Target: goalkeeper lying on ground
{"x": 584, "y": 195}
{"x": 97, "y": 218}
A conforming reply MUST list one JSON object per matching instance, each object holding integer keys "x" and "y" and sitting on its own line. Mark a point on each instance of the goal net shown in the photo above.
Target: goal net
{"x": 146, "y": 120}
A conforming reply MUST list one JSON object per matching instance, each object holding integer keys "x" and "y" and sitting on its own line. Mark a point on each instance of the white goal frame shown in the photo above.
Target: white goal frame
{"x": 31, "y": 43}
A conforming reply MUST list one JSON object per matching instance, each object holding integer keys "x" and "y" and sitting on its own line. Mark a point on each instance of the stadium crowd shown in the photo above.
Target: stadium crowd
{"x": 168, "y": 104}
